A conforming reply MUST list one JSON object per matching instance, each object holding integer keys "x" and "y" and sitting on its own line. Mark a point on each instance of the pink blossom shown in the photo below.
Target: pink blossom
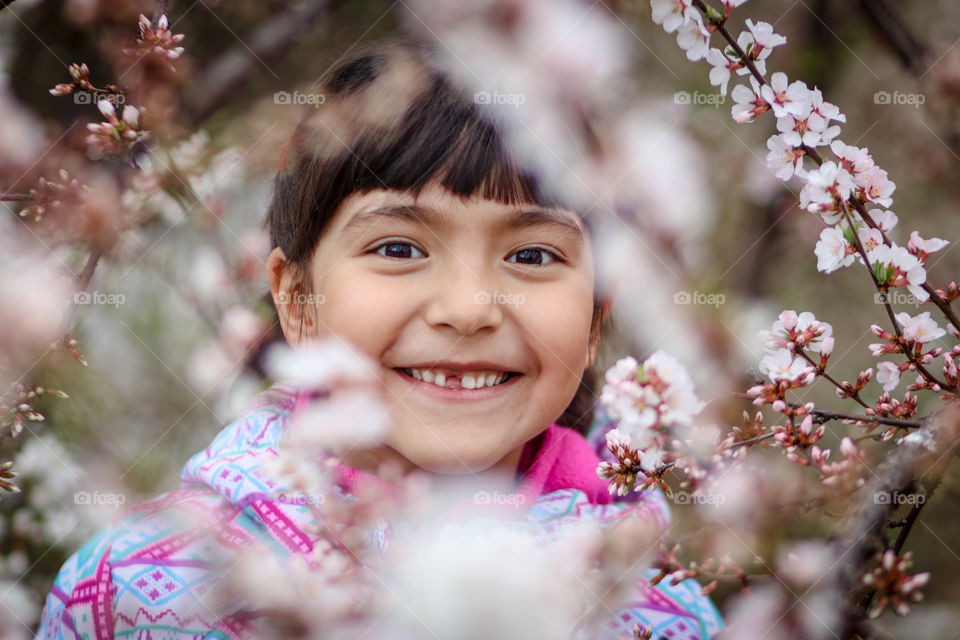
{"x": 782, "y": 365}
{"x": 693, "y": 37}
{"x": 886, "y": 220}
{"x": 747, "y": 103}
{"x": 793, "y": 99}
{"x": 764, "y": 38}
{"x": 671, "y": 14}
{"x": 920, "y": 328}
{"x": 875, "y": 186}
{"x": 826, "y": 187}
{"x": 784, "y": 159}
{"x": 721, "y": 65}
{"x": 833, "y": 251}
{"x": 888, "y": 375}
{"x": 923, "y": 248}
{"x": 851, "y": 158}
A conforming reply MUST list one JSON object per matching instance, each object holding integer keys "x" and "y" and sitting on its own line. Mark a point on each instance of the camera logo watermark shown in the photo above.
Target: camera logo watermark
{"x": 886, "y": 497}
{"x": 496, "y": 297}
{"x": 699, "y": 97}
{"x": 98, "y": 297}
{"x": 301, "y": 498}
{"x": 298, "y": 98}
{"x": 912, "y": 99}
{"x": 298, "y": 298}
{"x": 895, "y": 297}
{"x": 495, "y": 97}
{"x": 699, "y": 297}
{"x": 486, "y": 497}
{"x": 99, "y": 498}
{"x": 93, "y": 97}
{"x": 712, "y": 499}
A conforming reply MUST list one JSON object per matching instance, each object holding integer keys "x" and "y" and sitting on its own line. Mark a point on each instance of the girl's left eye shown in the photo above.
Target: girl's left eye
{"x": 399, "y": 250}
{"x": 534, "y": 256}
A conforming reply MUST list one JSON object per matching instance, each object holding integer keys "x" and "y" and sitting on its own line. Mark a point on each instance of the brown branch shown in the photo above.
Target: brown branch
{"x": 822, "y": 372}
{"x": 903, "y": 423}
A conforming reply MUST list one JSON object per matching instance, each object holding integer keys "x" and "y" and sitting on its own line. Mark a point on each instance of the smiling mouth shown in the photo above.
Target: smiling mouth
{"x": 451, "y": 379}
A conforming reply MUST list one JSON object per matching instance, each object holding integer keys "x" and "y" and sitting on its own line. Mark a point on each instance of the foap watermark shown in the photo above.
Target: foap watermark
{"x": 299, "y": 98}
{"x": 896, "y": 497}
{"x": 712, "y": 499}
{"x": 497, "y": 297}
{"x": 93, "y": 97}
{"x": 495, "y": 97}
{"x": 699, "y": 297}
{"x": 301, "y": 498}
{"x": 99, "y": 498}
{"x": 495, "y": 497}
{"x": 699, "y": 97}
{"x": 98, "y": 297}
{"x": 895, "y": 297}
{"x": 912, "y": 99}
{"x": 300, "y": 298}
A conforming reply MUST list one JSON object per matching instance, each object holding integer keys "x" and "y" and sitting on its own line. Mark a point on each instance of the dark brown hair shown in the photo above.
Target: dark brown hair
{"x": 389, "y": 118}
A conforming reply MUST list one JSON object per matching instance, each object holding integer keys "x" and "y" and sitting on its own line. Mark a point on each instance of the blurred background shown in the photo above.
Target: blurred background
{"x": 177, "y": 313}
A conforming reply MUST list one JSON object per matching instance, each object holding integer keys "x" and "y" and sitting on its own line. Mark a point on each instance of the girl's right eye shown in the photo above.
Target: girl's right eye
{"x": 399, "y": 250}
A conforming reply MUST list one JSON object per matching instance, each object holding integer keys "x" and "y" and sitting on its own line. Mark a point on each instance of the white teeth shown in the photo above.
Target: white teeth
{"x": 472, "y": 380}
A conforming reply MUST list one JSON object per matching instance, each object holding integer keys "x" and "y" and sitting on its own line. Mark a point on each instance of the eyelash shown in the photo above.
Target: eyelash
{"x": 553, "y": 255}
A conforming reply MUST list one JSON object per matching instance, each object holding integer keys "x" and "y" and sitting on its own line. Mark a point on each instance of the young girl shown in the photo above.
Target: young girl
{"x": 400, "y": 225}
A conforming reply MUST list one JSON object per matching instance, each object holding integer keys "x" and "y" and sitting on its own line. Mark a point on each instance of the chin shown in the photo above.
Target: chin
{"x": 447, "y": 463}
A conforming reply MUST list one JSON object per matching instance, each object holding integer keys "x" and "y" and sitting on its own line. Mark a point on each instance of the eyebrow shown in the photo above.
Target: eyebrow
{"x": 428, "y": 216}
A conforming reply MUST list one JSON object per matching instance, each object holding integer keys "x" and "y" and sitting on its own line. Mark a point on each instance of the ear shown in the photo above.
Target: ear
{"x": 297, "y": 314}
{"x": 596, "y": 331}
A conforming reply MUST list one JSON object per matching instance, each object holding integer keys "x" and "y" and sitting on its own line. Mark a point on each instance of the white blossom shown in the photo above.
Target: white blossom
{"x": 888, "y": 375}
{"x": 920, "y": 328}
{"x": 832, "y": 250}
{"x": 793, "y": 99}
{"x": 782, "y": 365}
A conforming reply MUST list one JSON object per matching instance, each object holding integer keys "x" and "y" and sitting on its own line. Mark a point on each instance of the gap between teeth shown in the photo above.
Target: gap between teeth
{"x": 475, "y": 380}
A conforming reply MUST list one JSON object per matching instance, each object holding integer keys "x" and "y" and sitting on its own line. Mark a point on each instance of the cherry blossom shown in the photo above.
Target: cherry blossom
{"x": 792, "y": 329}
{"x": 793, "y": 99}
{"x": 116, "y": 134}
{"x": 158, "y": 39}
{"x": 874, "y": 186}
{"x": 649, "y": 398}
{"x": 923, "y": 248}
{"x": 671, "y": 14}
{"x": 747, "y": 103}
{"x": 886, "y": 220}
{"x": 833, "y": 251}
{"x": 827, "y": 188}
{"x": 920, "y": 328}
{"x": 851, "y": 158}
{"x": 721, "y": 66}
{"x": 782, "y": 365}
{"x": 784, "y": 158}
{"x": 896, "y": 267}
{"x": 894, "y": 585}
{"x": 758, "y": 42}
{"x": 694, "y": 38}
{"x": 888, "y": 375}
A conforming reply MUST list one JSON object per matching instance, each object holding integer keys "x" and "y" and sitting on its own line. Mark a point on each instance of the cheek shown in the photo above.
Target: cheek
{"x": 361, "y": 309}
{"x": 559, "y": 330}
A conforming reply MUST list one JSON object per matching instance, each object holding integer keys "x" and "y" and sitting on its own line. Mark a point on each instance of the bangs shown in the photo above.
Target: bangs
{"x": 392, "y": 121}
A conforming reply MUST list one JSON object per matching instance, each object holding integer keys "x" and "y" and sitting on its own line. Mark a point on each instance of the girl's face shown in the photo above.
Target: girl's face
{"x": 479, "y": 314}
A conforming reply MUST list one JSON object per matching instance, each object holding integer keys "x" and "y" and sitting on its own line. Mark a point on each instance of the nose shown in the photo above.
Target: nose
{"x": 465, "y": 299}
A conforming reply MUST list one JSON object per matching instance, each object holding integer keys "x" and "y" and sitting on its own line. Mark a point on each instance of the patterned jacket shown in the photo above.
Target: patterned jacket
{"x": 144, "y": 576}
